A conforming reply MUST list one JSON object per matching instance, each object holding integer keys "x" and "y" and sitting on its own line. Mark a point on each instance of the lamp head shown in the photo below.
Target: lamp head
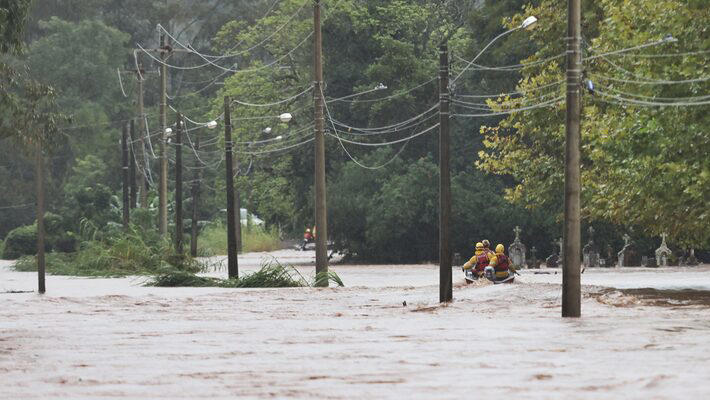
{"x": 285, "y": 117}
{"x": 168, "y": 131}
{"x": 211, "y": 125}
{"x": 267, "y": 130}
{"x": 381, "y": 86}
{"x": 529, "y": 22}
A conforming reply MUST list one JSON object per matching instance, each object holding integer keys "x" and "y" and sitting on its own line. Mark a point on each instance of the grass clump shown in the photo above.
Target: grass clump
{"x": 213, "y": 239}
{"x": 272, "y": 274}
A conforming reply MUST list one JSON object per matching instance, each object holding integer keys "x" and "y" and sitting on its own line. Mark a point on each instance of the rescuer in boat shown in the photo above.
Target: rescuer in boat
{"x": 499, "y": 268}
{"x": 478, "y": 262}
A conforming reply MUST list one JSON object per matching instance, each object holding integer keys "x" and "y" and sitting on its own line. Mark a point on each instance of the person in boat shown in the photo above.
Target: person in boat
{"x": 499, "y": 267}
{"x": 487, "y": 248}
{"x": 307, "y": 238}
{"x": 478, "y": 262}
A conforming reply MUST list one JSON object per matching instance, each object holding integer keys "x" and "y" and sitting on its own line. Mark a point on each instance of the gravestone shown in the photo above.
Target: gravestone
{"x": 663, "y": 253}
{"x": 517, "y": 250}
{"x": 555, "y": 260}
{"x": 620, "y": 255}
{"x": 533, "y": 261}
{"x": 590, "y": 255}
{"x": 561, "y": 258}
{"x": 692, "y": 261}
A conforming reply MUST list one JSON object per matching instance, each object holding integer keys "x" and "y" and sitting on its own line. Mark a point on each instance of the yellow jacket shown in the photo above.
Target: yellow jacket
{"x": 492, "y": 258}
{"x": 472, "y": 262}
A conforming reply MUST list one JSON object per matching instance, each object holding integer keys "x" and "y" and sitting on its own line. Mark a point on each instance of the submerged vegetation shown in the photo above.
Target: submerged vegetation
{"x": 272, "y": 274}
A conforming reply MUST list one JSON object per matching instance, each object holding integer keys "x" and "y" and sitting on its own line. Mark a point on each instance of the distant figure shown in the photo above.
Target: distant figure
{"x": 307, "y": 238}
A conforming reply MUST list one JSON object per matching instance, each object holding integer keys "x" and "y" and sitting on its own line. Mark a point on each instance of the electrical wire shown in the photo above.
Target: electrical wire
{"x": 481, "y": 52}
{"x": 653, "y": 103}
{"x": 511, "y": 111}
{"x": 386, "y": 127}
{"x": 513, "y": 67}
{"x": 244, "y": 103}
{"x": 483, "y": 96}
{"x": 392, "y": 96}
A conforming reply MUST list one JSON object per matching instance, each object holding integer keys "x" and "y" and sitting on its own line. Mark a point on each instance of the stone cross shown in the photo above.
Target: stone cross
{"x": 627, "y": 239}
{"x": 517, "y": 249}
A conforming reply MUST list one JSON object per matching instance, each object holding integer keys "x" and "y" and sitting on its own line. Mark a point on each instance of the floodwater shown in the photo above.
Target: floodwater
{"x": 644, "y": 334}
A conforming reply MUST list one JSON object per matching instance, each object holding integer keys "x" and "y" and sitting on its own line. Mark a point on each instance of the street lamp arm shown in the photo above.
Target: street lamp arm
{"x": 483, "y": 51}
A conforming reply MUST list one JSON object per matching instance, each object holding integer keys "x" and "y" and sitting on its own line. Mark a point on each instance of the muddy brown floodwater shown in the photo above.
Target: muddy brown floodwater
{"x": 645, "y": 334}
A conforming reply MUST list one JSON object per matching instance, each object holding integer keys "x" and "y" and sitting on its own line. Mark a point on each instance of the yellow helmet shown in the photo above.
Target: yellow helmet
{"x": 479, "y": 246}
{"x": 500, "y": 248}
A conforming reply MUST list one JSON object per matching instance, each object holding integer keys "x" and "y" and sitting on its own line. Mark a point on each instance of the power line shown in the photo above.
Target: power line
{"x": 541, "y": 105}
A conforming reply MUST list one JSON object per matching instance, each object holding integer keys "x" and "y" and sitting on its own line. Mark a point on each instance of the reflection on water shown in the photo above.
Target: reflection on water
{"x": 654, "y": 297}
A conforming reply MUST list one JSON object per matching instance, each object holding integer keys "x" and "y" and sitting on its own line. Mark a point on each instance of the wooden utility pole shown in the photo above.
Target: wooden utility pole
{"x": 321, "y": 215}
{"x": 232, "y": 262}
{"x": 178, "y": 185}
{"x": 163, "y": 157}
{"x": 445, "y": 278}
{"x": 125, "y": 175}
{"x": 142, "y": 183}
{"x": 237, "y": 204}
{"x": 571, "y": 291}
{"x": 40, "y": 218}
{"x": 132, "y": 166}
{"x": 195, "y": 200}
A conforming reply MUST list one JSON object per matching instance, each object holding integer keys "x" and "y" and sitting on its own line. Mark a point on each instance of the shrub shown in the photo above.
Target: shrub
{"x": 133, "y": 253}
{"x": 20, "y": 241}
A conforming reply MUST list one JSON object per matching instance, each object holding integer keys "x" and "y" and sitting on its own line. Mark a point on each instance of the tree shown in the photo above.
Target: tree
{"x": 642, "y": 165}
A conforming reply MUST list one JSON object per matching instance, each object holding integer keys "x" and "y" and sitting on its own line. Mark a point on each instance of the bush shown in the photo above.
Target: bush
{"x": 132, "y": 253}
{"x": 20, "y": 241}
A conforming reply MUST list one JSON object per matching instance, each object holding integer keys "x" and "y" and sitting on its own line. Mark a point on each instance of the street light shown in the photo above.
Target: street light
{"x": 285, "y": 117}
{"x": 211, "y": 125}
{"x": 529, "y": 22}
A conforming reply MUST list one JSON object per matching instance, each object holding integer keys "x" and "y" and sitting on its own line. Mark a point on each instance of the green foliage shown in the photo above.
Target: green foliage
{"x": 642, "y": 166}
{"x": 13, "y": 18}
{"x": 22, "y": 241}
{"x": 85, "y": 196}
{"x": 135, "y": 252}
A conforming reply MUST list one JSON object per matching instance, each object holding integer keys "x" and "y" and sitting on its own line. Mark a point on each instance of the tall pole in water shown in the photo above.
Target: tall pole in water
{"x": 132, "y": 165}
{"x": 125, "y": 174}
{"x": 163, "y": 157}
{"x": 141, "y": 156}
{"x": 232, "y": 262}
{"x": 178, "y": 185}
{"x": 40, "y": 218}
{"x": 321, "y": 215}
{"x": 195, "y": 200}
{"x": 445, "y": 278}
{"x": 571, "y": 291}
